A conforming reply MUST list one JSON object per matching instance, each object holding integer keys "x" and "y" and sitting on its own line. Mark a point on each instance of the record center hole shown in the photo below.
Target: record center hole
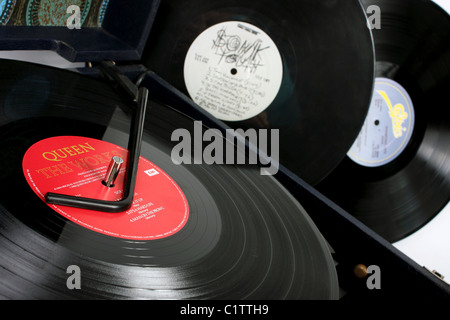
{"x": 377, "y": 122}
{"x": 233, "y": 71}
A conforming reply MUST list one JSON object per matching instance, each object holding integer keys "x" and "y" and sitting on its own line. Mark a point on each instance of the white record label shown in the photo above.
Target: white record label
{"x": 233, "y": 70}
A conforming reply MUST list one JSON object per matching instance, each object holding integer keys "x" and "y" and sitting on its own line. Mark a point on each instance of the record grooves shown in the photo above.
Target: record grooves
{"x": 284, "y": 59}
{"x": 246, "y": 237}
{"x": 400, "y": 195}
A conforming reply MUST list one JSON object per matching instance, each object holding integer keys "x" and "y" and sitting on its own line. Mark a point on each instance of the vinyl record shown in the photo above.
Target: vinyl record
{"x": 245, "y": 236}
{"x": 303, "y": 67}
{"x": 395, "y": 177}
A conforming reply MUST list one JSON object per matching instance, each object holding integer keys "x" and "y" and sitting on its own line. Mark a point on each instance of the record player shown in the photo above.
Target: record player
{"x": 113, "y": 53}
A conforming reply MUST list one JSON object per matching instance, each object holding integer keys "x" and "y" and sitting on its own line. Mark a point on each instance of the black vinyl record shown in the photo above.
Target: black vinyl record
{"x": 246, "y": 236}
{"x": 303, "y": 67}
{"x": 398, "y": 196}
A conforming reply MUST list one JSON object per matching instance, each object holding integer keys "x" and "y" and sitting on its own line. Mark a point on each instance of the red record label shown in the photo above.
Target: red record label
{"x": 77, "y": 165}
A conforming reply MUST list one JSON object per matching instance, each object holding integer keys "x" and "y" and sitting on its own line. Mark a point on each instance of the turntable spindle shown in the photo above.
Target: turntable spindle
{"x": 112, "y": 172}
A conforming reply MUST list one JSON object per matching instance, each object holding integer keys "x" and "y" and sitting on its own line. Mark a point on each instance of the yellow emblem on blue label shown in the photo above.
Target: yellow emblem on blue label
{"x": 397, "y": 113}
{"x": 388, "y": 127}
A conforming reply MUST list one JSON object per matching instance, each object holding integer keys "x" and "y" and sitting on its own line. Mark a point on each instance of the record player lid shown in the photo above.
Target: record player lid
{"x": 109, "y": 29}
